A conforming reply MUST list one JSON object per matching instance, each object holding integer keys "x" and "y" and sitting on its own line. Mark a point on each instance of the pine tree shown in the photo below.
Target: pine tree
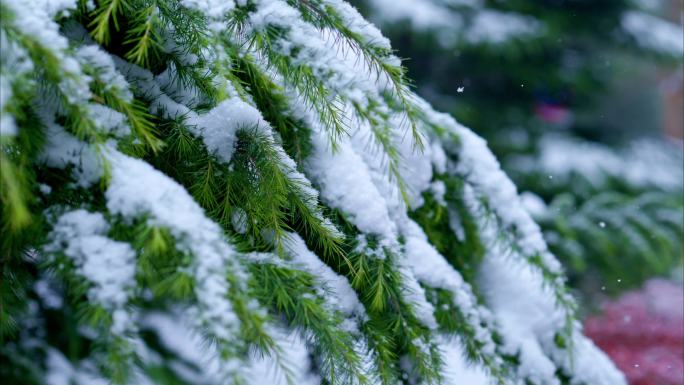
{"x": 248, "y": 192}
{"x": 531, "y": 77}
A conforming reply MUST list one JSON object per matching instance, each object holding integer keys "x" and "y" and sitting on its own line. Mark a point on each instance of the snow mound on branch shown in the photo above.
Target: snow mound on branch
{"x": 137, "y": 190}
{"x": 655, "y": 33}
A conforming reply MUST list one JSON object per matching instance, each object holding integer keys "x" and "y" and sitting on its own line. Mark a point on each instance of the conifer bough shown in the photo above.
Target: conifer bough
{"x": 248, "y": 192}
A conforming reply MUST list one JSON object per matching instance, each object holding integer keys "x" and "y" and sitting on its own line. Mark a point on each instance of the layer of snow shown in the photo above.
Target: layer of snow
{"x": 63, "y": 149}
{"x": 175, "y": 333}
{"x": 108, "y": 120}
{"x": 60, "y": 371}
{"x": 357, "y": 24}
{"x": 304, "y": 45}
{"x": 345, "y": 183}
{"x": 108, "y": 265}
{"x": 597, "y": 163}
{"x": 215, "y": 10}
{"x": 137, "y": 190}
{"x": 422, "y": 14}
{"x": 514, "y": 294}
{"x": 101, "y": 62}
{"x": 457, "y": 370}
{"x": 533, "y": 204}
{"x": 494, "y": 27}
{"x": 654, "y": 33}
{"x": 430, "y": 268}
{"x": 414, "y": 294}
{"x": 14, "y": 64}
{"x": 262, "y": 371}
{"x": 36, "y": 23}
{"x": 217, "y": 128}
{"x": 465, "y": 22}
{"x": 529, "y": 319}
{"x": 343, "y": 297}
{"x": 478, "y": 166}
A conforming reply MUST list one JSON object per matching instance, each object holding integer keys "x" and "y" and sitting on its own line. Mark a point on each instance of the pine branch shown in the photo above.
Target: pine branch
{"x": 375, "y": 51}
{"x": 292, "y": 292}
{"x": 107, "y": 12}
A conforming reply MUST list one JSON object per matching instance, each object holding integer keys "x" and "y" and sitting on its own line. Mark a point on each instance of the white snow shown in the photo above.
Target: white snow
{"x": 416, "y": 166}
{"x": 533, "y": 204}
{"x": 175, "y": 334}
{"x": 306, "y": 46}
{"x": 14, "y": 64}
{"x": 415, "y": 295}
{"x": 529, "y": 318}
{"x": 462, "y": 22}
{"x": 262, "y": 371}
{"x": 215, "y": 10}
{"x": 457, "y": 370}
{"x": 346, "y": 184}
{"x": 108, "y": 265}
{"x": 108, "y": 120}
{"x": 480, "y": 168}
{"x": 218, "y": 127}
{"x": 438, "y": 157}
{"x": 655, "y": 33}
{"x": 136, "y": 189}
{"x": 36, "y": 23}
{"x": 63, "y": 149}
{"x": 310, "y": 47}
{"x": 179, "y": 89}
{"x": 100, "y": 61}
{"x": 343, "y": 296}
{"x": 431, "y": 268}
{"x": 494, "y": 27}
{"x": 356, "y": 23}
{"x": 597, "y": 163}
{"x": 49, "y": 297}
{"x": 8, "y": 125}
{"x": 422, "y": 14}
{"x": 438, "y": 189}
{"x": 514, "y": 294}
{"x": 60, "y": 371}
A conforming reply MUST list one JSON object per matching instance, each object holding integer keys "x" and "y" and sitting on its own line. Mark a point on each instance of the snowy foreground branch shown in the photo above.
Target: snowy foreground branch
{"x": 248, "y": 192}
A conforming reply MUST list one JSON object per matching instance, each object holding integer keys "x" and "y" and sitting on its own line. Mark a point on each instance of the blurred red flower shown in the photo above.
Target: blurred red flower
{"x": 643, "y": 332}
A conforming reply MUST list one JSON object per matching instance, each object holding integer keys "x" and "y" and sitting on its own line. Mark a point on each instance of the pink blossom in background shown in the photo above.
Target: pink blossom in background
{"x": 643, "y": 332}
{"x": 553, "y": 113}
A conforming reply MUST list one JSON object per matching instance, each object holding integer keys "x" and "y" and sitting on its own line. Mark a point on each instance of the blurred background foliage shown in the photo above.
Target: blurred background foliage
{"x": 581, "y": 100}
